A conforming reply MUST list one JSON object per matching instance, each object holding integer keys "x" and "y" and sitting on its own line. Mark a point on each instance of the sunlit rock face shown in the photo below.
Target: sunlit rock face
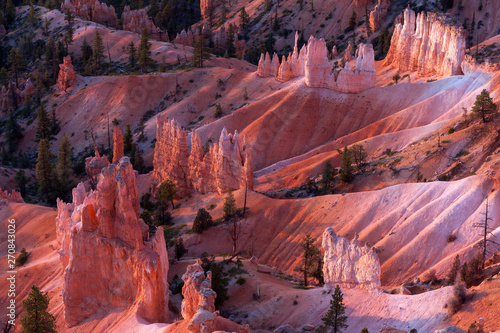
{"x": 427, "y": 44}
{"x": 92, "y": 10}
{"x": 108, "y": 258}
{"x": 349, "y": 264}
{"x": 14, "y": 196}
{"x": 67, "y": 76}
{"x": 312, "y": 63}
{"x": 225, "y": 165}
{"x": 378, "y": 14}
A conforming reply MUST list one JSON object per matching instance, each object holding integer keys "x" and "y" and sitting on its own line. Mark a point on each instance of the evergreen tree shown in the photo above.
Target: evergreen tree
{"x": 222, "y": 15}
{"x": 45, "y": 171}
{"x": 454, "y": 269}
{"x": 138, "y": 159}
{"x": 97, "y": 51}
{"x": 15, "y": 61}
{"x": 244, "y": 20}
{"x": 166, "y": 193}
{"x": 229, "y": 208}
{"x": 145, "y": 60}
{"x": 230, "y": 48}
{"x": 54, "y": 128}
{"x": 201, "y": 51}
{"x": 218, "y": 111}
{"x": 10, "y": 13}
{"x": 132, "y": 55}
{"x": 13, "y": 132}
{"x": 86, "y": 51}
{"x": 43, "y": 126}
{"x": 484, "y": 106}
{"x": 127, "y": 140}
{"x": 179, "y": 250}
{"x": 335, "y": 319}
{"x": 352, "y": 21}
{"x": 218, "y": 285}
{"x": 202, "y": 222}
{"x": 36, "y": 318}
{"x": 32, "y": 16}
{"x": 359, "y": 155}
{"x": 269, "y": 43}
{"x": 311, "y": 254}
{"x": 21, "y": 180}
{"x": 346, "y": 174}
{"x": 64, "y": 167}
{"x": 327, "y": 176}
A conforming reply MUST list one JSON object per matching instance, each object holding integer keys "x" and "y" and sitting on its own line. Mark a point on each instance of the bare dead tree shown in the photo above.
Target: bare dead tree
{"x": 234, "y": 231}
{"x": 485, "y": 232}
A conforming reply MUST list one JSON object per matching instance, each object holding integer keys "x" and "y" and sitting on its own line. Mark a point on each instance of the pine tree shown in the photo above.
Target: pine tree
{"x": 230, "y": 48}
{"x": 44, "y": 171}
{"x": 144, "y": 50}
{"x": 218, "y": 284}
{"x": 15, "y": 61}
{"x": 13, "y": 132}
{"x": 36, "y": 318}
{"x": 10, "y": 13}
{"x": 127, "y": 140}
{"x": 335, "y": 319}
{"x": 346, "y": 174}
{"x": 21, "y": 180}
{"x": 484, "y": 105}
{"x": 132, "y": 55}
{"x": 138, "y": 160}
{"x": 86, "y": 51}
{"x": 44, "y": 126}
{"x": 244, "y": 20}
{"x": 64, "y": 160}
{"x": 201, "y": 51}
{"x": 179, "y": 250}
{"x": 202, "y": 221}
{"x": 32, "y": 16}
{"x": 359, "y": 155}
{"x": 166, "y": 193}
{"x": 97, "y": 51}
{"x": 352, "y": 21}
{"x": 454, "y": 269}
{"x": 327, "y": 176}
{"x": 310, "y": 263}
{"x": 229, "y": 208}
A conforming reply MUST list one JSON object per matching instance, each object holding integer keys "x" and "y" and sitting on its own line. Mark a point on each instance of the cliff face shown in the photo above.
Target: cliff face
{"x": 92, "y": 10}
{"x": 470, "y": 65}
{"x": 67, "y": 75}
{"x": 312, "y": 63}
{"x": 226, "y": 165}
{"x": 117, "y": 145}
{"x": 14, "y": 196}
{"x": 428, "y": 44}
{"x": 137, "y": 20}
{"x": 109, "y": 260}
{"x": 349, "y": 264}
{"x": 379, "y": 13}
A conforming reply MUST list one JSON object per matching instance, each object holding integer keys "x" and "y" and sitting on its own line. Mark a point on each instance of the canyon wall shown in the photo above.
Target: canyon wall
{"x": 67, "y": 76}
{"x": 108, "y": 258}
{"x": 226, "y": 165}
{"x": 198, "y": 305}
{"x": 92, "y": 10}
{"x": 349, "y": 264}
{"x": 428, "y": 44}
{"x": 312, "y": 63}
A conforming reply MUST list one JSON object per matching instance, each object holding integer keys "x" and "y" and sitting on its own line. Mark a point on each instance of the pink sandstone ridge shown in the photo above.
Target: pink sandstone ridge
{"x": 431, "y": 47}
{"x": 349, "y": 264}
{"x": 312, "y": 63}
{"x": 67, "y": 75}
{"x": 92, "y": 10}
{"x": 226, "y": 165}
{"x": 108, "y": 258}
{"x": 117, "y": 145}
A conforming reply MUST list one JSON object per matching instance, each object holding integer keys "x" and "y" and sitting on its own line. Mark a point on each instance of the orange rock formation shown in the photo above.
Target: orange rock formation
{"x": 117, "y": 145}
{"x": 108, "y": 259}
{"x": 92, "y": 10}
{"x": 67, "y": 75}
{"x": 14, "y": 196}
{"x": 137, "y": 20}
{"x": 378, "y": 13}
{"x": 435, "y": 47}
{"x": 312, "y": 62}
{"x": 227, "y": 164}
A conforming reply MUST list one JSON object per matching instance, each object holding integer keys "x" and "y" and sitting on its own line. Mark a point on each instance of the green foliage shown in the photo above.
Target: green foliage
{"x": 229, "y": 207}
{"x": 346, "y": 173}
{"x": 97, "y": 52}
{"x": 230, "y": 48}
{"x": 312, "y": 261}
{"x": 327, "y": 177}
{"x": 36, "y": 318}
{"x": 396, "y": 78}
{"x": 245, "y": 94}
{"x": 218, "y": 111}
{"x": 145, "y": 60}
{"x": 244, "y": 20}
{"x": 352, "y": 22}
{"x": 359, "y": 155}
{"x": 45, "y": 172}
{"x": 166, "y": 193}
{"x": 13, "y": 132}
{"x": 484, "y": 106}
{"x": 364, "y": 330}
{"x": 241, "y": 281}
{"x": 132, "y": 55}
{"x": 451, "y": 130}
{"x": 22, "y": 257}
{"x": 127, "y": 140}
{"x": 44, "y": 126}
{"x": 21, "y": 180}
{"x": 335, "y": 320}
{"x": 15, "y": 61}
{"x": 413, "y": 330}
{"x": 202, "y": 222}
{"x": 201, "y": 51}
{"x": 179, "y": 249}
{"x": 219, "y": 285}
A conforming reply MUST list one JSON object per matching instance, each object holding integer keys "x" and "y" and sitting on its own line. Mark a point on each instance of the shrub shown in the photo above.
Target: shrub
{"x": 452, "y": 238}
{"x": 451, "y": 130}
{"x": 458, "y": 298}
{"x": 241, "y": 281}
{"x": 202, "y": 222}
{"x": 22, "y": 258}
{"x": 413, "y": 330}
{"x": 431, "y": 276}
{"x": 218, "y": 111}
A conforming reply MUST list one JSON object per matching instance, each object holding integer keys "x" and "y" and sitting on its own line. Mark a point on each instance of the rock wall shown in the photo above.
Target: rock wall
{"x": 226, "y": 165}
{"x": 14, "y": 196}
{"x": 470, "y": 65}
{"x": 92, "y": 10}
{"x": 349, "y": 264}
{"x": 12, "y": 97}
{"x": 108, "y": 259}
{"x": 67, "y": 75}
{"x": 137, "y": 20}
{"x": 198, "y": 305}
{"x": 94, "y": 165}
{"x": 378, "y": 14}
{"x": 428, "y": 44}
{"x": 117, "y": 145}
{"x": 312, "y": 63}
